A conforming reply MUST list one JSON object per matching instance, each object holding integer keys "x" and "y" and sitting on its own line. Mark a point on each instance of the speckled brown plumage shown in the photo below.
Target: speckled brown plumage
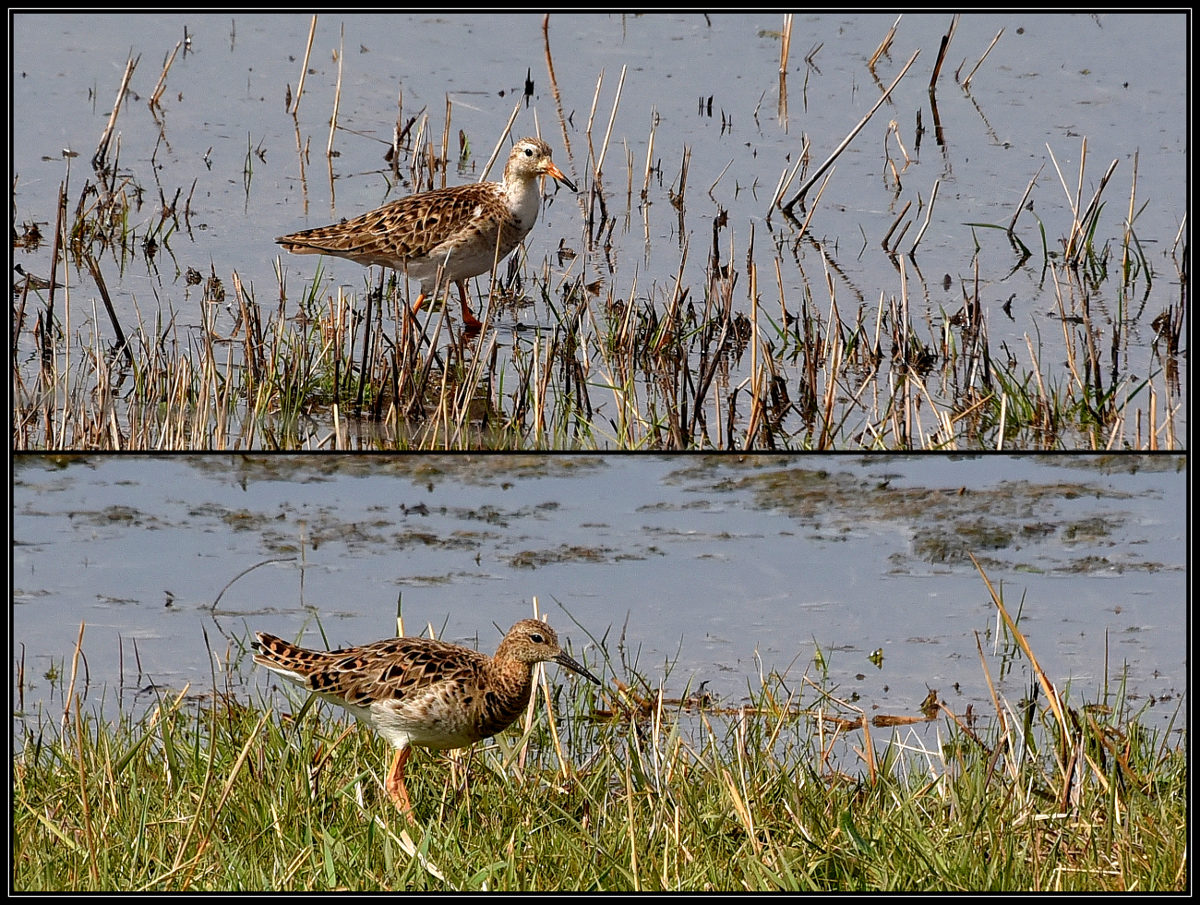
{"x": 462, "y": 230}
{"x": 416, "y": 691}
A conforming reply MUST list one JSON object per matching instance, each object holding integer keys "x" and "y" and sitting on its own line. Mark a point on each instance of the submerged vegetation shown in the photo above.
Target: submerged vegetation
{"x": 614, "y": 789}
{"x": 738, "y": 359}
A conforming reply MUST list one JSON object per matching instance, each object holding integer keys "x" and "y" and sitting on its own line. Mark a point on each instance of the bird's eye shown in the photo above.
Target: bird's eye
{"x": 529, "y": 152}
{"x": 537, "y": 639}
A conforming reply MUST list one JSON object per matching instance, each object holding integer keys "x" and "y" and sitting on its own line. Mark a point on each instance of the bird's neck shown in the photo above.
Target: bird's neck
{"x": 511, "y": 684}
{"x": 524, "y": 200}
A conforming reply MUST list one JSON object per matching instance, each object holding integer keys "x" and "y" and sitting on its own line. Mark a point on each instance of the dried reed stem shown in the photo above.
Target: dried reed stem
{"x": 106, "y": 136}
{"x": 312, "y": 32}
{"x": 1021, "y": 204}
{"x": 562, "y": 119}
{"x": 611, "y": 119}
{"x": 337, "y": 94}
{"x": 162, "y": 79}
{"x": 942, "y": 48}
{"x": 966, "y": 83}
{"x": 885, "y": 44}
{"x": 928, "y": 215}
{"x": 512, "y": 118}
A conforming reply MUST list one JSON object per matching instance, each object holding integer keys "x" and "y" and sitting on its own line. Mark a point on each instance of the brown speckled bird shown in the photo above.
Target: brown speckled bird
{"x": 462, "y": 230}
{"x": 416, "y": 691}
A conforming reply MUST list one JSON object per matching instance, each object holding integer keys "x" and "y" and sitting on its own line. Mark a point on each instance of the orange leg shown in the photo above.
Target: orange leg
{"x": 410, "y": 315}
{"x": 469, "y": 320}
{"x": 395, "y": 784}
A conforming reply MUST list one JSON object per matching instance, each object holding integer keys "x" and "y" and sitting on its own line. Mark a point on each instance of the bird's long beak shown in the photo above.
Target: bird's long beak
{"x": 564, "y": 659}
{"x": 552, "y": 170}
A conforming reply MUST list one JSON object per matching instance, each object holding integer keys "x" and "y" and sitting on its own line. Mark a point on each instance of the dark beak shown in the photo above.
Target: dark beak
{"x": 564, "y": 659}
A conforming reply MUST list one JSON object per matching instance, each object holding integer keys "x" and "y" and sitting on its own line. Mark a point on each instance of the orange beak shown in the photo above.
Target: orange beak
{"x": 552, "y": 170}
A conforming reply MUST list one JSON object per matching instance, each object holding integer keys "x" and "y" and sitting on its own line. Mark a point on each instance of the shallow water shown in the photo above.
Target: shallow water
{"x": 708, "y": 87}
{"x": 694, "y": 569}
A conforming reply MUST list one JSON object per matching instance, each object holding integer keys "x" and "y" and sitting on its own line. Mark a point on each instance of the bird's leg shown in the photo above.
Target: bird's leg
{"x": 410, "y": 318}
{"x": 469, "y": 320}
{"x": 395, "y": 784}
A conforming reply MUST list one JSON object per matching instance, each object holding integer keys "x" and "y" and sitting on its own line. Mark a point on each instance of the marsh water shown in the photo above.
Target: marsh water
{"x": 701, "y": 133}
{"x": 697, "y": 570}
